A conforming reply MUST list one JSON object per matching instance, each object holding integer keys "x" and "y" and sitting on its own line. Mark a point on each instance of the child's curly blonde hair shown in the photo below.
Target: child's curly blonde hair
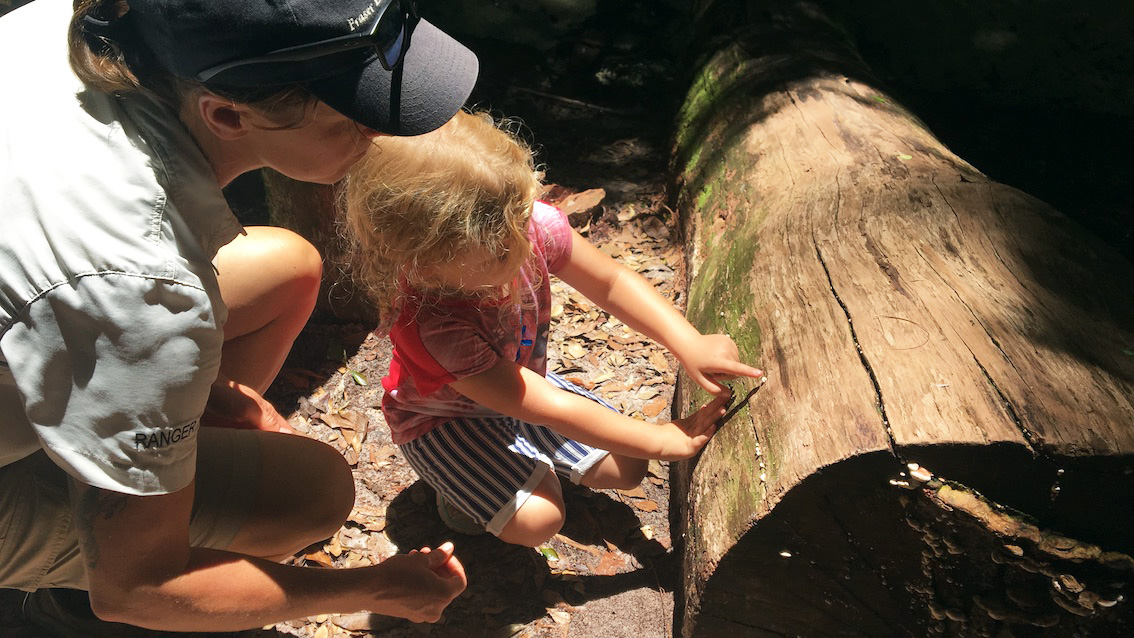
{"x": 417, "y": 203}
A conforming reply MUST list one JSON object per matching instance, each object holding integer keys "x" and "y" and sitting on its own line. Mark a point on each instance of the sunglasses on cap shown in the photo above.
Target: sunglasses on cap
{"x": 389, "y": 36}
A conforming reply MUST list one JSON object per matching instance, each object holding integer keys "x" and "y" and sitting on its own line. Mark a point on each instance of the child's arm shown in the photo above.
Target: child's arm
{"x": 518, "y": 392}
{"x": 628, "y": 296}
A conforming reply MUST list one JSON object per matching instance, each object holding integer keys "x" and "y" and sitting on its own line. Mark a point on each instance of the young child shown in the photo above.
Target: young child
{"x": 454, "y": 248}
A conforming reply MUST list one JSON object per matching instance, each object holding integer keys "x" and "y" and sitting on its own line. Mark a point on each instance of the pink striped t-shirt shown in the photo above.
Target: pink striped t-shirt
{"x": 447, "y": 340}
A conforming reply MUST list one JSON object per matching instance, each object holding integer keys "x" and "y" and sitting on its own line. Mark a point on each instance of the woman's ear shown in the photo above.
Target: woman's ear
{"x": 223, "y": 118}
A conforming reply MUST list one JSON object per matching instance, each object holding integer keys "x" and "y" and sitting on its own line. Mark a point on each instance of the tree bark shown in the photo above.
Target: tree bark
{"x": 907, "y": 310}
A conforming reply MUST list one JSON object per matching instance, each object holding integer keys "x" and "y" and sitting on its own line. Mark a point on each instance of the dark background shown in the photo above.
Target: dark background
{"x": 1037, "y": 95}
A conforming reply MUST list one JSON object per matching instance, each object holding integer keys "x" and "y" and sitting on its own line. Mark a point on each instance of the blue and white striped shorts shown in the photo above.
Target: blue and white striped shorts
{"x": 487, "y": 467}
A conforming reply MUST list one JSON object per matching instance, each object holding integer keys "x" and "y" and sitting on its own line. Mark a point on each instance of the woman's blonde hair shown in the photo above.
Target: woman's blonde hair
{"x": 124, "y": 67}
{"x": 415, "y": 203}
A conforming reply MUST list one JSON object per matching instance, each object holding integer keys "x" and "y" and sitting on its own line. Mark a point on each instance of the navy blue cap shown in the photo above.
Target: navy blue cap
{"x": 435, "y": 77}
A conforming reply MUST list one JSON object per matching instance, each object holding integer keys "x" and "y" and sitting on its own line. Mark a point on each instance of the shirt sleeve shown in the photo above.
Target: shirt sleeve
{"x": 554, "y": 233}
{"x": 435, "y": 350}
{"x": 114, "y": 371}
{"x": 458, "y": 345}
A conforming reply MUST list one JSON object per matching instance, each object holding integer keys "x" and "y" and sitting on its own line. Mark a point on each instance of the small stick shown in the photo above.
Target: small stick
{"x": 743, "y": 402}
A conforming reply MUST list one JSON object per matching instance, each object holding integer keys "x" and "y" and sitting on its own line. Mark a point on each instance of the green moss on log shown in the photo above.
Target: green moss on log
{"x": 709, "y": 93}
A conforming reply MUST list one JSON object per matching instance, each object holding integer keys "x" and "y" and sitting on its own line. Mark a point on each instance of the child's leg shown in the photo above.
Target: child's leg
{"x": 540, "y": 517}
{"x": 583, "y": 464}
{"x": 486, "y": 470}
{"x": 616, "y": 472}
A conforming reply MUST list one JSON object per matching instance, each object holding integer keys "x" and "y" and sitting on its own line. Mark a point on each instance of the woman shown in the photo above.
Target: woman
{"x": 134, "y": 309}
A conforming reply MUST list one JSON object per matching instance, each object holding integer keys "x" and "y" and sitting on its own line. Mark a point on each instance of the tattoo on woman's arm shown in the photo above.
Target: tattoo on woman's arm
{"x": 92, "y": 504}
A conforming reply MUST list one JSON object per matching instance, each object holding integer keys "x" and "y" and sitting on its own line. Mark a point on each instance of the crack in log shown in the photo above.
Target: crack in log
{"x": 1035, "y": 447}
{"x": 881, "y": 404}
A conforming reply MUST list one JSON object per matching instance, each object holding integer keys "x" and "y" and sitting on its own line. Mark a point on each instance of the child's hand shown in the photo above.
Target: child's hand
{"x": 710, "y": 359}
{"x": 685, "y": 437}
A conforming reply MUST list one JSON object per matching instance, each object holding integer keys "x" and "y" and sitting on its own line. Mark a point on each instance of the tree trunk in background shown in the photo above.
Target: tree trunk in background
{"x": 907, "y": 310}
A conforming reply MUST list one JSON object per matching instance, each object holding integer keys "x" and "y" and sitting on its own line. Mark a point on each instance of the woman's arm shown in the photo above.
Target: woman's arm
{"x": 628, "y": 296}
{"x": 518, "y": 392}
{"x": 143, "y": 572}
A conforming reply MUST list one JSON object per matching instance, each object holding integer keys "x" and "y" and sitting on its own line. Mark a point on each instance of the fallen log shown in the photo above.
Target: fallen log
{"x": 945, "y": 444}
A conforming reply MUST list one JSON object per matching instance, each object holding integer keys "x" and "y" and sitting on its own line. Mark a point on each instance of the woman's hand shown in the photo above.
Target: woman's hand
{"x": 235, "y": 405}
{"x": 710, "y": 359}
{"x": 419, "y": 585}
{"x": 683, "y": 438}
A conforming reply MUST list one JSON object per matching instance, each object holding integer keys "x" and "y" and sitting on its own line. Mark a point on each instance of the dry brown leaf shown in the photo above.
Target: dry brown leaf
{"x": 646, "y": 506}
{"x": 319, "y": 558}
{"x": 611, "y": 563}
{"x": 657, "y": 359}
{"x": 351, "y": 455}
{"x": 560, "y": 617}
{"x": 375, "y": 525}
{"x": 606, "y": 376}
{"x": 345, "y": 420}
{"x": 581, "y": 382}
{"x": 580, "y": 202}
{"x": 617, "y": 360}
{"x": 556, "y": 310}
{"x": 576, "y": 544}
{"x": 655, "y": 407}
{"x": 574, "y": 351}
{"x": 646, "y": 393}
{"x": 362, "y": 513}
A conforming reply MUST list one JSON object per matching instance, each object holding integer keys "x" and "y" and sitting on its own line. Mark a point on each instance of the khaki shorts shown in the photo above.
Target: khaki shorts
{"x": 39, "y": 546}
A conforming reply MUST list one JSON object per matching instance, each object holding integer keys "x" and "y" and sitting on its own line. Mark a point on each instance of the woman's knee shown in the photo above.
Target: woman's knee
{"x": 294, "y": 264}
{"x": 269, "y": 270}
{"x": 333, "y": 489}
{"x": 306, "y": 492}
